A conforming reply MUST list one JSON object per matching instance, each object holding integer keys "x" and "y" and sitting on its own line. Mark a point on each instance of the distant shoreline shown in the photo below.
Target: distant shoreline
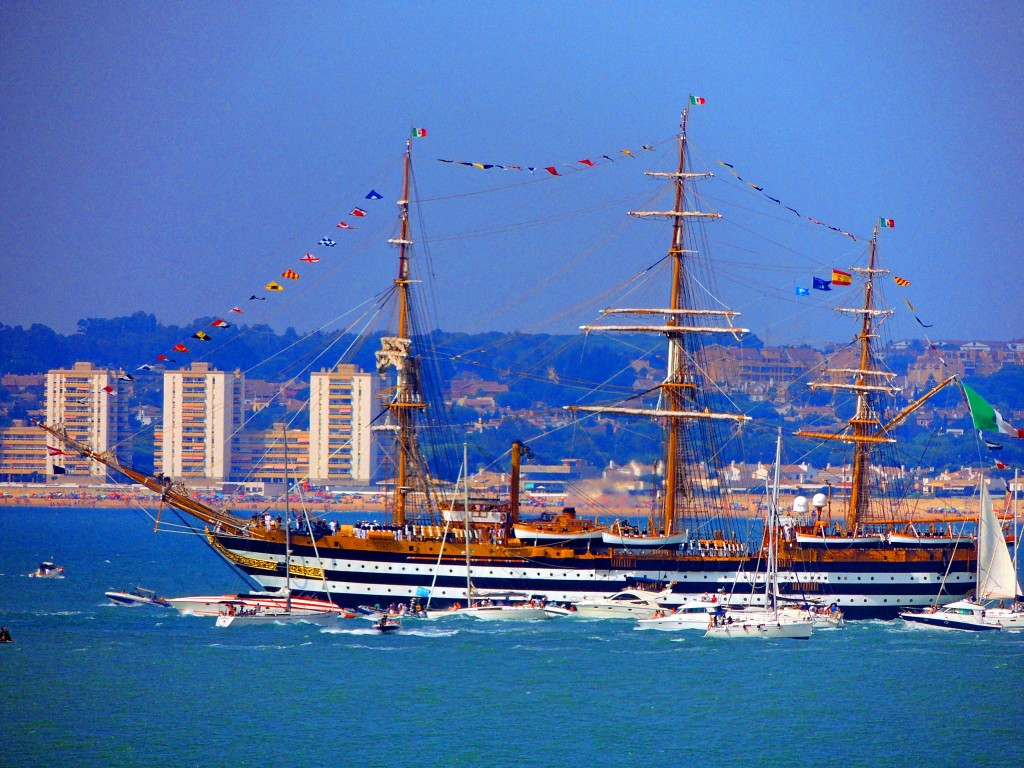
{"x": 924, "y": 509}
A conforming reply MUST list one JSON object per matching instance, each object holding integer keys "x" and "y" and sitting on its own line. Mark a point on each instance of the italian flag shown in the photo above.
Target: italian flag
{"x": 698, "y": 101}
{"x": 890, "y": 223}
{"x": 419, "y": 133}
{"x": 986, "y": 417}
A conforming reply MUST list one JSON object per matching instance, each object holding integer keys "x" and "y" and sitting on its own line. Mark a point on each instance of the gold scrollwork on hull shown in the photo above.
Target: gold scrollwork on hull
{"x": 307, "y": 571}
{"x": 248, "y": 562}
{"x": 303, "y": 571}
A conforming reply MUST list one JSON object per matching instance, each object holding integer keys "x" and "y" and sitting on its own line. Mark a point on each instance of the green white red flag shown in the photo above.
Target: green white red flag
{"x": 986, "y": 417}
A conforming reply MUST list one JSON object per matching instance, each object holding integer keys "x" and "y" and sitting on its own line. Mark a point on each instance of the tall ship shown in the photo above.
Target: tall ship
{"x": 860, "y": 549}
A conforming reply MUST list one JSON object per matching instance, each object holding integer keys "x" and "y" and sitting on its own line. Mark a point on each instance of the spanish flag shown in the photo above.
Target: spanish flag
{"x": 841, "y": 278}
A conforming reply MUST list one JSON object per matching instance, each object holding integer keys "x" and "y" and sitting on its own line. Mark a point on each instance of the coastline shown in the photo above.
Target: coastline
{"x": 924, "y": 509}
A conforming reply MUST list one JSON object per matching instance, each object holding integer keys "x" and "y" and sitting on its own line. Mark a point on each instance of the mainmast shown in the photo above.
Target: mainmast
{"x": 678, "y": 407}
{"x": 868, "y": 382}
{"x": 394, "y": 353}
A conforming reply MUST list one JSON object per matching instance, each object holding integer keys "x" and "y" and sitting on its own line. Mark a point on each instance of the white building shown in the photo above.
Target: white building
{"x": 342, "y": 404}
{"x": 88, "y": 403}
{"x": 202, "y": 411}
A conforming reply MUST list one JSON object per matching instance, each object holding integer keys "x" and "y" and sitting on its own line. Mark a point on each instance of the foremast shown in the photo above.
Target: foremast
{"x": 395, "y": 353}
{"x": 866, "y": 430}
{"x": 679, "y": 407}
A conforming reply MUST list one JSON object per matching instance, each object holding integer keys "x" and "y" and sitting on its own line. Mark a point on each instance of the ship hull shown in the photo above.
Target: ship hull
{"x": 355, "y": 572}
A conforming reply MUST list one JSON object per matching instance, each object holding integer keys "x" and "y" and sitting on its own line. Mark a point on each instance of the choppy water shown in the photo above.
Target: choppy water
{"x": 90, "y": 684}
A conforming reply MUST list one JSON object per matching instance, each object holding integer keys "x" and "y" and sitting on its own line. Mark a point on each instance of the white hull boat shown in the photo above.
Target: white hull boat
{"x": 627, "y": 604}
{"x": 962, "y": 614}
{"x": 47, "y": 570}
{"x": 695, "y": 615}
{"x": 640, "y": 541}
{"x": 256, "y": 616}
{"x": 138, "y": 596}
{"x": 838, "y": 542}
{"x": 996, "y": 580}
{"x": 768, "y": 629}
{"x": 527, "y": 533}
{"x": 211, "y": 605}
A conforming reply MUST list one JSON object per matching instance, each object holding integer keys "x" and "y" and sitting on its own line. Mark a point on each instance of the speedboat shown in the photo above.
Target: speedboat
{"x": 628, "y": 604}
{"x": 560, "y": 610}
{"x": 821, "y": 617}
{"x": 138, "y": 596}
{"x": 212, "y": 605}
{"x": 387, "y": 624}
{"x": 235, "y": 613}
{"x": 47, "y": 570}
{"x": 692, "y": 615}
{"x": 505, "y": 612}
{"x": 968, "y": 615}
{"x": 498, "y": 606}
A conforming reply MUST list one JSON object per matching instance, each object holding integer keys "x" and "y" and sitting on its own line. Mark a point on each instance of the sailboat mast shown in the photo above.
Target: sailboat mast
{"x": 287, "y": 530}
{"x": 679, "y": 409}
{"x": 863, "y": 422}
{"x": 674, "y": 380}
{"x": 402, "y": 286}
{"x": 394, "y": 353}
{"x": 465, "y": 521}
{"x": 773, "y": 528}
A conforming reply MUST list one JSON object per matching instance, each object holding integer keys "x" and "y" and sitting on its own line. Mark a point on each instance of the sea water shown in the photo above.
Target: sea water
{"x": 88, "y": 684}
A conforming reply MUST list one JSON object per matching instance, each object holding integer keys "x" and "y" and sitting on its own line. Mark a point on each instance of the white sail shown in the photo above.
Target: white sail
{"x": 997, "y": 579}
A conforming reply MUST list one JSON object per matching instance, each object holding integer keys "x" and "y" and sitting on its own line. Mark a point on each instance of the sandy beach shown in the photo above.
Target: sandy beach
{"x": 608, "y": 505}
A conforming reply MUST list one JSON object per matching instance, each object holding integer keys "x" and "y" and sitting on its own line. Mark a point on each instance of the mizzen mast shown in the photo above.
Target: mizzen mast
{"x": 868, "y": 382}
{"x": 680, "y": 407}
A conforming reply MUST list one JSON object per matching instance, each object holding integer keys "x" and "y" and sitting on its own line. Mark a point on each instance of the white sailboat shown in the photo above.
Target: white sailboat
{"x": 772, "y": 623}
{"x": 996, "y": 581}
{"x": 491, "y": 604}
{"x": 233, "y": 613}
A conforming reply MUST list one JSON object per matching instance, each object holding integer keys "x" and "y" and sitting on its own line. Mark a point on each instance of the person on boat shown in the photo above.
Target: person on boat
{"x": 5, "y": 635}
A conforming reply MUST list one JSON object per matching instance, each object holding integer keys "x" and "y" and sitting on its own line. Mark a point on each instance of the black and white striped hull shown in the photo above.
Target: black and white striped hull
{"x": 356, "y": 577}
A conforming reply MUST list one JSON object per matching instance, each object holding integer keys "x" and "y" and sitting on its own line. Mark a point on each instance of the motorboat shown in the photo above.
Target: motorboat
{"x": 961, "y": 614}
{"x": 996, "y": 579}
{"x": 490, "y": 611}
{"x": 47, "y": 570}
{"x": 211, "y": 605}
{"x": 387, "y": 624}
{"x": 137, "y": 596}
{"x": 821, "y": 617}
{"x": 492, "y": 605}
{"x": 235, "y": 613}
{"x": 631, "y": 603}
{"x": 691, "y": 615}
{"x": 556, "y": 611}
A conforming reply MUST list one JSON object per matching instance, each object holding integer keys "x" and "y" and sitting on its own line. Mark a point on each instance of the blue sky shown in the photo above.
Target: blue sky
{"x": 175, "y": 157}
